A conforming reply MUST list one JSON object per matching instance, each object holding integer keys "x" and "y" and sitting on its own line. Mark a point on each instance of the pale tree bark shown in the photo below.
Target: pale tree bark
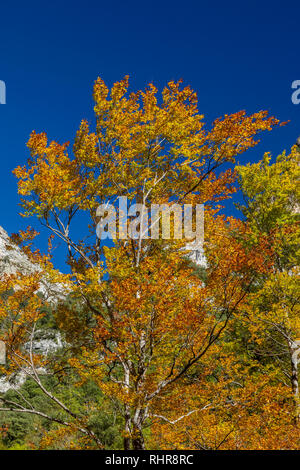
{"x": 294, "y": 347}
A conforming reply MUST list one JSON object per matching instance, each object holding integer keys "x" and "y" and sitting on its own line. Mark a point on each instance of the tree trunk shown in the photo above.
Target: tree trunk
{"x": 138, "y": 442}
{"x": 127, "y": 428}
{"x": 126, "y": 443}
{"x": 295, "y": 349}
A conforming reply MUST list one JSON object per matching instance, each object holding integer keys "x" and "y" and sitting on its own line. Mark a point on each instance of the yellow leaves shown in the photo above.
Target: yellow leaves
{"x": 65, "y": 438}
{"x": 85, "y": 146}
{"x": 100, "y": 90}
{"x": 139, "y": 138}
{"x": 51, "y": 175}
{"x": 277, "y": 302}
{"x": 149, "y": 103}
{"x": 272, "y": 191}
{"x": 37, "y": 143}
{"x": 119, "y": 89}
{"x": 152, "y": 325}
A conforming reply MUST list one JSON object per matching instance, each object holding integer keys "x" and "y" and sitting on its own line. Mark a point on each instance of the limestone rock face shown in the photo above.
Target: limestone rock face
{"x": 11, "y": 257}
{"x": 46, "y": 342}
{"x": 12, "y": 260}
{"x": 14, "y": 383}
{"x": 196, "y": 254}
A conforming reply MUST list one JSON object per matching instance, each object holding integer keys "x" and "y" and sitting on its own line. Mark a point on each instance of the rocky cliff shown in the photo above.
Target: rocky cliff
{"x": 12, "y": 260}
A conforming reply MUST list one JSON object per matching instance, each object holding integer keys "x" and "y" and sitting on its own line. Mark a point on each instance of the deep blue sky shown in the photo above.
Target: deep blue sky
{"x": 235, "y": 54}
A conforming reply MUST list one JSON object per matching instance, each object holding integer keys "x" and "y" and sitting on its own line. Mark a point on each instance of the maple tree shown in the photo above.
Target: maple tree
{"x": 151, "y": 333}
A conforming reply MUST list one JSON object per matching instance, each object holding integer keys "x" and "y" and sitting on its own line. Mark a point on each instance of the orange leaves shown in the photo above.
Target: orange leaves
{"x": 37, "y": 143}
{"x": 234, "y": 409}
{"x": 20, "y": 308}
{"x": 141, "y": 130}
{"x": 141, "y": 140}
{"x": 147, "y": 326}
{"x": 119, "y": 89}
{"x": 85, "y": 146}
{"x": 51, "y": 175}
{"x": 233, "y": 134}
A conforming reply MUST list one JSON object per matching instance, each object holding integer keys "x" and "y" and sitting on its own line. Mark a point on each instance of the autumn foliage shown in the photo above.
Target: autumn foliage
{"x": 184, "y": 357}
